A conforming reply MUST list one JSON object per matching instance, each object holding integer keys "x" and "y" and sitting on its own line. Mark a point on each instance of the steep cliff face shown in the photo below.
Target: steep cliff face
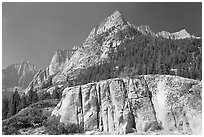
{"x": 18, "y": 75}
{"x": 58, "y": 60}
{"x": 44, "y": 77}
{"x": 143, "y": 103}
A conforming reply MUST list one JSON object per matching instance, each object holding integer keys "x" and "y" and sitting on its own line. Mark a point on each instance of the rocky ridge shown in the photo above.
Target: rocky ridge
{"x": 18, "y": 75}
{"x": 44, "y": 77}
{"x": 108, "y": 34}
{"x": 138, "y": 104}
{"x": 182, "y": 34}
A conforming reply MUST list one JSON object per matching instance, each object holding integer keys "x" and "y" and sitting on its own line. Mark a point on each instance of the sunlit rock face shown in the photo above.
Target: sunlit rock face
{"x": 177, "y": 103}
{"x": 142, "y": 104}
{"x": 44, "y": 77}
{"x": 115, "y": 20}
{"x": 182, "y": 34}
{"x": 58, "y": 60}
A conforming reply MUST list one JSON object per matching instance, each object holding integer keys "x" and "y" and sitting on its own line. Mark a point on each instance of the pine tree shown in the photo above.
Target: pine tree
{"x": 5, "y": 107}
{"x": 45, "y": 95}
{"x": 12, "y": 108}
{"x": 14, "y": 105}
{"x": 159, "y": 63}
{"x": 35, "y": 96}
{"x": 55, "y": 94}
{"x": 23, "y": 101}
{"x": 32, "y": 95}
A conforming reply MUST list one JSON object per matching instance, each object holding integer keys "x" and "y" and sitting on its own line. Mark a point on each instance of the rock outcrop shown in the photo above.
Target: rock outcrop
{"x": 182, "y": 34}
{"x": 142, "y": 104}
{"x": 58, "y": 60}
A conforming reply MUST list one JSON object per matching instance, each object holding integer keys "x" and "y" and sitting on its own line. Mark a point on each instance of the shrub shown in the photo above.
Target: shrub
{"x": 152, "y": 126}
{"x": 71, "y": 128}
{"x": 32, "y": 116}
{"x": 61, "y": 128}
{"x": 45, "y": 103}
{"x": 28, "y": 117}
{"x": 54, "y": 127}
{"x": 10, "y": 130}
{"x": 51, "y": 125}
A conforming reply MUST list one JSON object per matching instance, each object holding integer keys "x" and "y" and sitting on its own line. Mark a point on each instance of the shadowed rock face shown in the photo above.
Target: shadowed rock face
{"x": 18, "y": 75}
{"x": 143, "y": 103}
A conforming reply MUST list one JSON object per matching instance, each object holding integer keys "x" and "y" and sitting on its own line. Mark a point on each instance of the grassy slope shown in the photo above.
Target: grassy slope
{"x": 31, "y": 116}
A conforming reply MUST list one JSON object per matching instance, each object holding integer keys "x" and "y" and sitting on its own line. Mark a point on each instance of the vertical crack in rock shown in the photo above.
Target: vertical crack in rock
{"x": 77, "y": 115}
{"x": 130, "y": 102}
{"x": 129, "y": 105}
{"x": 175, "y": 123}
{"x": 81, "y": 124}
{"x": 113, "y": 114}
{"x": 99, "y": 114}
{"x": 116, "y": 104}
{"x": 111, "y": 109}
{"x": 108, "y": 96}
{"x": 97, "y": 105}
{"x": 149, "y": 93}
{"x": 124, "y": 120}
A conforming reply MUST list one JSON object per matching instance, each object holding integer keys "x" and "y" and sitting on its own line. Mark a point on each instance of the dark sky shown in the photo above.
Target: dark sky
{"x": 34, "y": 31}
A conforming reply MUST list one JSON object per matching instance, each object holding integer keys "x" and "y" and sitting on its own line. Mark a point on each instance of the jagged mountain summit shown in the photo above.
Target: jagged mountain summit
{"x": 107, "y": 35}
{"x": 115, "y": 20}
{"x": 145, "y": 29}
{"x": 18, "y": 75}
{"x": 182, "y": 34}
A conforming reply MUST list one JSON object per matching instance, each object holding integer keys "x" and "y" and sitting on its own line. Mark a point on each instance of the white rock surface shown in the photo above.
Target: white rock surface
{"x": 125, "y": 105}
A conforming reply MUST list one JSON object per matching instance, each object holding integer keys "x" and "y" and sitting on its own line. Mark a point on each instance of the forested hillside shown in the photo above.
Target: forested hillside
{"x": 148, "y": 55}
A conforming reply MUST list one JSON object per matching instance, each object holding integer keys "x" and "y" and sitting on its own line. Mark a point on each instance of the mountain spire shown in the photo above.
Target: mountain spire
{"x": 115, "y": 20}
{"x": 115, "y": 14}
